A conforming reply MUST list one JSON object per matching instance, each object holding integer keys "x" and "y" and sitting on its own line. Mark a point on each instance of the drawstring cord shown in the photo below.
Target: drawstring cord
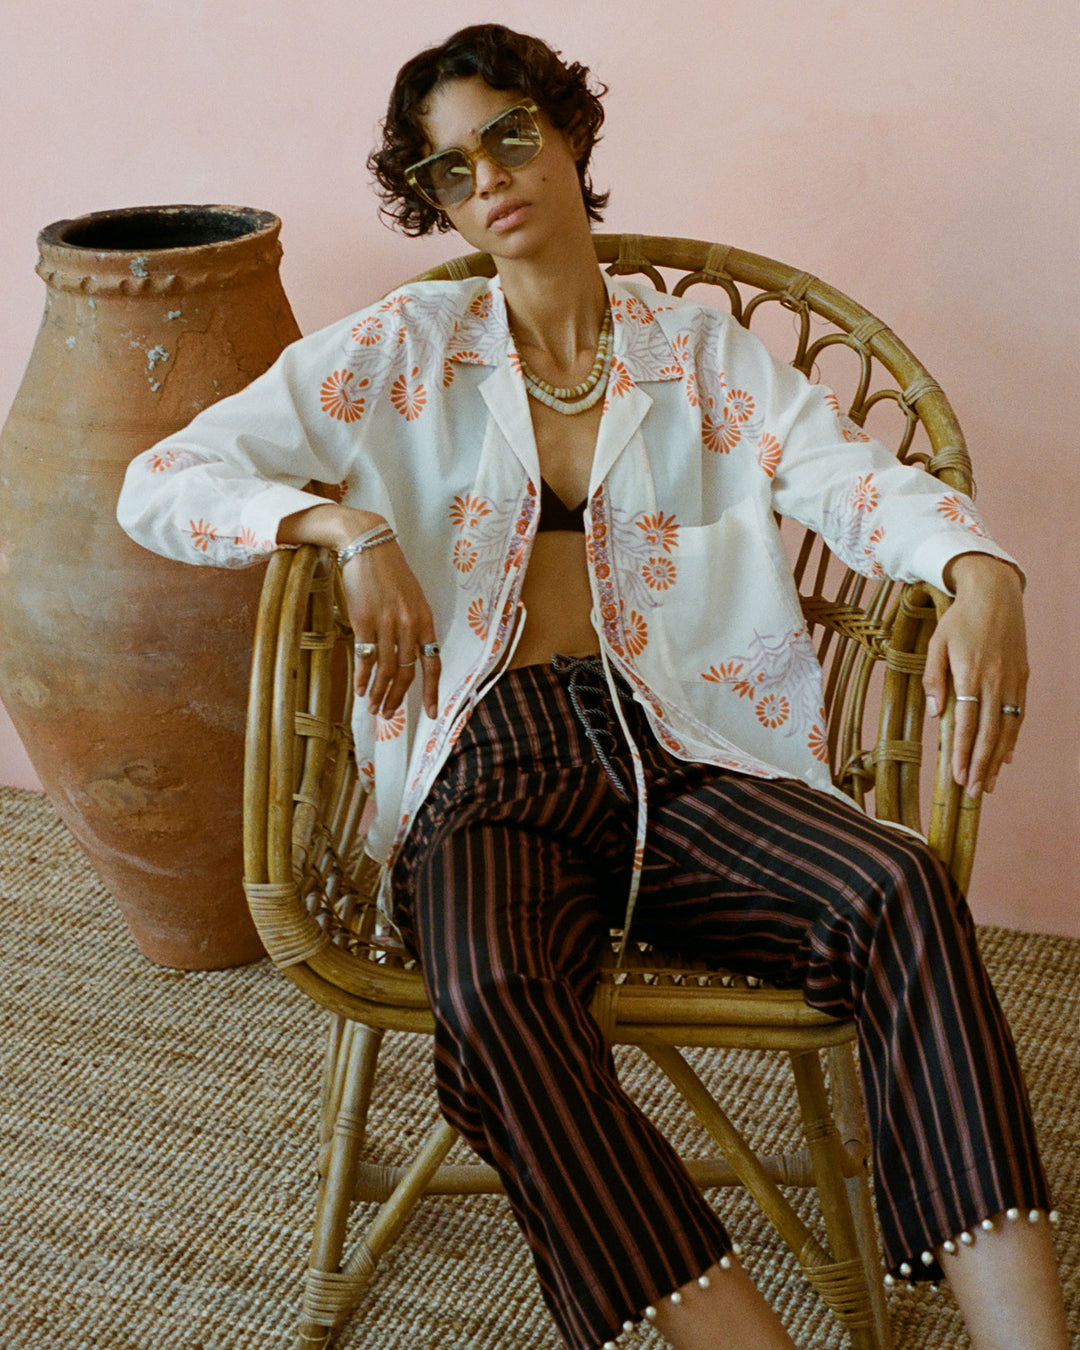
{"x": 585, "y": 673}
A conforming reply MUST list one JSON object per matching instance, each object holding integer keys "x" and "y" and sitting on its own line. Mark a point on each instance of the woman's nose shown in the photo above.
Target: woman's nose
{"x": 488, "y": 175}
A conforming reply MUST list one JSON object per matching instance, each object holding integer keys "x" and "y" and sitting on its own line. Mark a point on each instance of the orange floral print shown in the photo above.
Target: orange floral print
{"x": 395, "y": 304}
{"x": 619, "y": 382}
{"x": 203, "y": 534}
{"x": 481, "y": 306}
{"x": 409, "y": 401}
{"x": 465, "y": 556}
{"x": 954, "y": 508}
{"x": 721, "y": 437}
{"x": 864, "y": 495}
{"x": 448, "y": 373}
{"x": 468, "y": 512}
{"x": 636, "y": 633}
{"x": 637, "y": 310}
{"x": 660, "y": 531}
{"x": 659, "y": 573}
{"x": 162, "y": 461}
{"x": 739, "y": 404}
{"x": 341, "y": 398}
{"x": 389, "y": 728}
{"x": 768, "y": 454}
{"x": 853, "y": 433}
{"x": 368, "y": 332}
{"x": 772, "y": 710}
{"x": 818, "y": 743}
{"x": 724, "y": 673}
{"x": 478, "y": 620}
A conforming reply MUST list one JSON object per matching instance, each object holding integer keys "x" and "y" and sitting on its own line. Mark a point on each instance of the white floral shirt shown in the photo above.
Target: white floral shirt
{"x": 417, "y": 409}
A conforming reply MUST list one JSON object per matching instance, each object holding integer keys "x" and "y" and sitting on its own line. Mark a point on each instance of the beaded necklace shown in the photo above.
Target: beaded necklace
{"x": 577, "y": 398}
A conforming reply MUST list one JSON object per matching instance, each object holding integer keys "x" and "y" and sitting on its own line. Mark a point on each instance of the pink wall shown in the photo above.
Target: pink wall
{"x": 920, "y": 155}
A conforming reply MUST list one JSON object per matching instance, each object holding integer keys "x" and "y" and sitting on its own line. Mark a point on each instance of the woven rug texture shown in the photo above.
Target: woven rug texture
{"x": 157, "y": 1145}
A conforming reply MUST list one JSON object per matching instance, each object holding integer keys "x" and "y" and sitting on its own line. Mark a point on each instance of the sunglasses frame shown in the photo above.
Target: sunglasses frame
{"x": 473, "y": 156}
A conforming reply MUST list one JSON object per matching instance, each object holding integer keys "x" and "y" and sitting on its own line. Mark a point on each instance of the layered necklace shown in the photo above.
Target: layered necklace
{"x": 577, "y": 398}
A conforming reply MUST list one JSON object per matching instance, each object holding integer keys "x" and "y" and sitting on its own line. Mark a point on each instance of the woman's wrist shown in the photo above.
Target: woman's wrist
{"x": 328, "y": 525}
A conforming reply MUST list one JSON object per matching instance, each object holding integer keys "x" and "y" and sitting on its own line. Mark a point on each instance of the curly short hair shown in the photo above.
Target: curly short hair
{"x": 504, "y": 60}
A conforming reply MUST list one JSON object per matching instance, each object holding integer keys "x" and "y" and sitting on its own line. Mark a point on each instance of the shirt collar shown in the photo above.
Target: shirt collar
{"x": 642, "y": 345}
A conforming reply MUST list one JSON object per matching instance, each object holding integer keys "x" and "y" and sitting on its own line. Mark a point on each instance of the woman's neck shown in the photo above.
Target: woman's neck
{"x": 556, "y": 311}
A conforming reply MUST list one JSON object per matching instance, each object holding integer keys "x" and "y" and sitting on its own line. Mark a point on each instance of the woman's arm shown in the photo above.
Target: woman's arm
{"x": 385, "y": 602}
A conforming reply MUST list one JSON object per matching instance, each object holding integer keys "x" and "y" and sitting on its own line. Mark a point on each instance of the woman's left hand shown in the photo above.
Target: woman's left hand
{"x": 980, "y": 641}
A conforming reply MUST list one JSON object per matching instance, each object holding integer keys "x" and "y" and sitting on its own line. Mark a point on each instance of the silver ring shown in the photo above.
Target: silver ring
{"x": 430, "y": 649}
{"x": 365, "y": 650}
{"x": 967, "y": 698}
{"x": 1011, "y": 710}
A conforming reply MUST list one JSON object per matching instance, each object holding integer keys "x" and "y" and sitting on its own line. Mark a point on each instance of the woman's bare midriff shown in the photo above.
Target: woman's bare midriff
{"x": 557, "y": 601}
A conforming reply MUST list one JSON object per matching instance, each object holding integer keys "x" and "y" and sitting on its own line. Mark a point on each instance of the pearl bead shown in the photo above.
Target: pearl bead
{"x": 889, "y": 1281}
{"x": 905, "y": 1269}
{"x": 704, "y": 1281}
{"x": 736, "y": 1249}
{"x": 725, "y": 1262}
{"x": 610, "y": 1345}
{"x": 1013, "y": 1214}
{"x": 1054, "y": 1217}
{"x": 1034, "y": 1216}
{"x": 949, "y": 1246}
{"x": 650, "y": 1312}
{"x": 967, "y": 1239}
{"x": 676, "y": 1297}
{"x": 987, "y": 1225}
{"x": 628, "y": 1326}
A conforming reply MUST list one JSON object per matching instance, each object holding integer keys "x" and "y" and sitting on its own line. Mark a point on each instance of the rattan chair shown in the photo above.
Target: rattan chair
{"x": 310, "y": 889}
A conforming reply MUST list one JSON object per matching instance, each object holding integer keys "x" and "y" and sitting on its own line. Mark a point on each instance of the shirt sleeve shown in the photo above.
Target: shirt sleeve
{"x": 880, "y": 516}
{"x": 216, "y": 491}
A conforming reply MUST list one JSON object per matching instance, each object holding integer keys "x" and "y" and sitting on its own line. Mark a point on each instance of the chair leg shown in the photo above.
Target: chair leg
{"x": 351, "y": 1058}
{"x": 332, "y": 1288}
{"x": 850, "y": 1115}
{"x": 846, "y": 1283}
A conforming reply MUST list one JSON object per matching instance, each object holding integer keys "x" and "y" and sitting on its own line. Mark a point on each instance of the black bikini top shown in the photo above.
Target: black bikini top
{"x": 556, "y": 515}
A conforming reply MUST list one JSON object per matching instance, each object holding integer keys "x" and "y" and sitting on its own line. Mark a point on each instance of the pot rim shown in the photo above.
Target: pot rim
{"x": 209, "y": 225}
{"x": 74, "y": 254}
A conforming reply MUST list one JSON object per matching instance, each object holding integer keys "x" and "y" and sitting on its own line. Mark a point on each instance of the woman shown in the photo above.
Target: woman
{"x": 543, "y": 477}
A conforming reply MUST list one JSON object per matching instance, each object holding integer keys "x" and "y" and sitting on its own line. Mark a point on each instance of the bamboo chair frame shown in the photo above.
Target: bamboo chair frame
{"x": 310, "y": 887}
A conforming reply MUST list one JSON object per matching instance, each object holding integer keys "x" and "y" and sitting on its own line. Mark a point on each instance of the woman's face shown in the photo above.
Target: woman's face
{"x": 513, "y": 212}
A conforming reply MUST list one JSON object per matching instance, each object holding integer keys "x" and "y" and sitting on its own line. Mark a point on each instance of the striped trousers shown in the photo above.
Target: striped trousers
{"x": 510, "y": 882}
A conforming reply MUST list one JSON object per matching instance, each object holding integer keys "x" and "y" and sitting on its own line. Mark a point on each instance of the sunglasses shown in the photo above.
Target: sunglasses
{"x": 509, "y": 140}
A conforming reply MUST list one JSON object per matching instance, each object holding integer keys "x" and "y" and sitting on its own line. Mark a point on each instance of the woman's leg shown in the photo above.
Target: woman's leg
{"x": 774, "y": 878}
{"x": 503, "y": 892}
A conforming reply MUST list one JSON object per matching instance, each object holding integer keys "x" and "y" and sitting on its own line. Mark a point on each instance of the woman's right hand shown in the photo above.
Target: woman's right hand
{"x": 387, "y": 607}
{"x": 385, "y": 602}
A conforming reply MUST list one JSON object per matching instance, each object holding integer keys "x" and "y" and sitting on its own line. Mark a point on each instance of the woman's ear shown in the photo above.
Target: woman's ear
{"x": 577, "y": 137}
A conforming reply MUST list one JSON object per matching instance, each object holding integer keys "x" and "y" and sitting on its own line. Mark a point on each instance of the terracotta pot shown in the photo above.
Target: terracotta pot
{"x": 125, "y": 674}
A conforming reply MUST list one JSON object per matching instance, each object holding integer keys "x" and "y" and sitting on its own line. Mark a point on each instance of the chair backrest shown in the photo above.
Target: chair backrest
{"x": 303, "y": 800}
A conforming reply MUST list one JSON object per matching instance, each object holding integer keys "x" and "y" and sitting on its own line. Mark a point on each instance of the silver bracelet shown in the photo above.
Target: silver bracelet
{"x": 381, "y": 534}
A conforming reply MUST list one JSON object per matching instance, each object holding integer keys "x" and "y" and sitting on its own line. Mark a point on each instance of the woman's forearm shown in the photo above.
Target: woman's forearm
{"x": 328, "y": 525}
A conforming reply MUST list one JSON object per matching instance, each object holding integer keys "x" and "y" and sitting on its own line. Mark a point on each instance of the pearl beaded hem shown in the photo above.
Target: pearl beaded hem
{"x": 921, "y": 1263}
{"x": 675, "y": 1298}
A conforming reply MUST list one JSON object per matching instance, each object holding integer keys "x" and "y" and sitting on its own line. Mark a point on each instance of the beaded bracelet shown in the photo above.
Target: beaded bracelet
{"x": 381, "y": 534}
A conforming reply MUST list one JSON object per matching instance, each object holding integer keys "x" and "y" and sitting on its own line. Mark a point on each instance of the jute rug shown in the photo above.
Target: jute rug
{"x": 157, "y": 1145}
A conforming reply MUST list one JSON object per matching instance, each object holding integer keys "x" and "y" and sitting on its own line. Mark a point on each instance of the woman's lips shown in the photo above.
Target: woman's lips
{"x": 507, "y": 215}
